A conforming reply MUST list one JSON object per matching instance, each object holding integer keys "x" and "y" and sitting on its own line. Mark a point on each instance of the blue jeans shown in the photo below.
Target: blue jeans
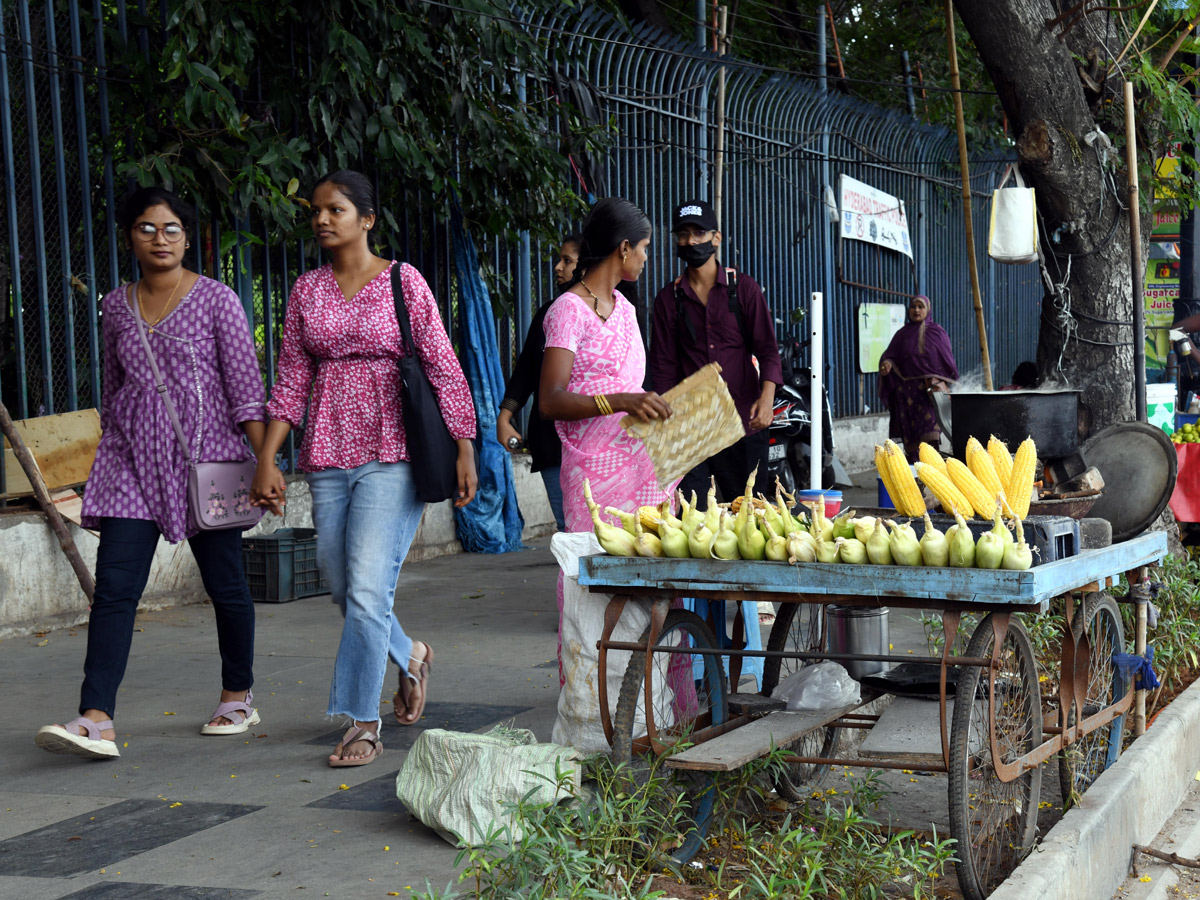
{"x": 122, "y": 568}
{"x": 366, "y": 518}
{"x": 550, "y": 478}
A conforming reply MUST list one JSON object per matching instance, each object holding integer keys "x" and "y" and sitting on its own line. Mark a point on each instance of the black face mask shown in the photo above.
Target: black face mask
{"x": 695, "y": 255}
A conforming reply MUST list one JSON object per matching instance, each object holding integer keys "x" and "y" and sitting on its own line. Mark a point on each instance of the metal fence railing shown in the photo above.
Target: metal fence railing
{"x": 786, "y": 140}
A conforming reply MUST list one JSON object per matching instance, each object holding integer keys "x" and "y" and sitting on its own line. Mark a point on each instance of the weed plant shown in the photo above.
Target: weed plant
{"x": 616, "y": 835}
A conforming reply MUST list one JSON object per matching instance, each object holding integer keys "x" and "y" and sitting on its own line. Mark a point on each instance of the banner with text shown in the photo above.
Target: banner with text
{"x": 870, "y": 215}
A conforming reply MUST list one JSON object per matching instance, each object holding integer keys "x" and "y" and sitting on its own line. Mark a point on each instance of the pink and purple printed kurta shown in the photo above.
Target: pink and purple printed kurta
{"x": 207, "y": 359}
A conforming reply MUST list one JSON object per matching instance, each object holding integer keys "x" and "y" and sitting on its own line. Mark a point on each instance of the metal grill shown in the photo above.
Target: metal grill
{"x": 785, "y": 141}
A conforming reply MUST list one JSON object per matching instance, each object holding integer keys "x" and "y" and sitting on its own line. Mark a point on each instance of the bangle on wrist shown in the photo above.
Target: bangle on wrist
{"x": 602, "y": 404}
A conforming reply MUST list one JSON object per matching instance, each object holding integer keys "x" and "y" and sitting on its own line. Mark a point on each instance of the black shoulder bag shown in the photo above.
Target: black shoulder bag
{"x": 432, "y": 453}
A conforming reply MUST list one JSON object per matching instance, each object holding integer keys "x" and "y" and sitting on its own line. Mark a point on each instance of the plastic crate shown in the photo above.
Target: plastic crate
{"x": 1182, "y": 419}
{"x": 282, "y": 566}
{"x": 1051, "y": 538}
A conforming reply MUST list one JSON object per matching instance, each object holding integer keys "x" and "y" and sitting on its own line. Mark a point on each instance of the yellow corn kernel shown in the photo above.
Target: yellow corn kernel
{"x": 885, "y": 475}
{"x": 1020, "y": 483}
{"x": 984, "y": 469}
{"x": 948, "y": 495}
{"x": 930, "y": 456}
{"x": 977, "y": 495}
{"x": 902, "y": 478}
{"x": 649, "y": 517}
{"x": 1001, "y": 459}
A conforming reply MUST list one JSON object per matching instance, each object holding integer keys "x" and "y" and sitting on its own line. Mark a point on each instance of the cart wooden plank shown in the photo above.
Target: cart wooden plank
{"x": 728, "y": 751}
{"x": 908, "y": 731}
{"x": 1032, "y": 588}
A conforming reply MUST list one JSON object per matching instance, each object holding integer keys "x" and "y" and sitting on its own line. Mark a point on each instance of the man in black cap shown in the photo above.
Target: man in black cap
{"x": 716, "y": 314}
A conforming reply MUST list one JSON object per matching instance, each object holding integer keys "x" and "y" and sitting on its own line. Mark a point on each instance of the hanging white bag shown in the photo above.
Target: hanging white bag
{"x": 1012, "y": 234}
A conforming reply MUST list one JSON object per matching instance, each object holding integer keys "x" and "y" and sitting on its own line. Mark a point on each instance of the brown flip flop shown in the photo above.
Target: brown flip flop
{"x": 414, "y": 693}
{"x": 356, "y": 733}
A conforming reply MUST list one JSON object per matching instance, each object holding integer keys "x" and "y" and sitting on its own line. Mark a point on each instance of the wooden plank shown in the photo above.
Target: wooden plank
{"x": 63, "y": 445}
{"x": 1031, "y": 588}
{"x": 749, "y": 742}
{"x": 908, "y": 732}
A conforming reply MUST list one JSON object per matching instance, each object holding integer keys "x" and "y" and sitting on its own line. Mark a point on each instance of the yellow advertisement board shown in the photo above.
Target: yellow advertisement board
{"x": 1162, "y": 289}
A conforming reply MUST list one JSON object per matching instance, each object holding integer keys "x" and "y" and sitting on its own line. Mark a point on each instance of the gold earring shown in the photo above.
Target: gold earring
{"x": 623, "y": 256}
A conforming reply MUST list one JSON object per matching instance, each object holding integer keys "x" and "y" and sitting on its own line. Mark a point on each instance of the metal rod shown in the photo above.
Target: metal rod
{"x": 64, "y": 275}
{"x": 14, "y": 247}
{"x": 36, "y": 207}
{"x": 719, "y": 144}
{"x": 863, "y": 763}
{"x": 982, "y": 661}
{"x": 968, "y": 224}
{"x": 1135, "y": 263}
{"x": 85, "y": 195}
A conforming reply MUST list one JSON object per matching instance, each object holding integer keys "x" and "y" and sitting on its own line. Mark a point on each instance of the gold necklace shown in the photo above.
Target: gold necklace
{"x": 596, "y": 301}
{"x": 167, "y": 306}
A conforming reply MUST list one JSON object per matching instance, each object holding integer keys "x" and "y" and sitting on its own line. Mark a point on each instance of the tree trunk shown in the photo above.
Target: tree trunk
{"x": 1086, "y": 334}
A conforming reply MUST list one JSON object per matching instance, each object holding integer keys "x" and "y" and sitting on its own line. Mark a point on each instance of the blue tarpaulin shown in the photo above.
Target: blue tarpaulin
{"x": 492, "y": 522}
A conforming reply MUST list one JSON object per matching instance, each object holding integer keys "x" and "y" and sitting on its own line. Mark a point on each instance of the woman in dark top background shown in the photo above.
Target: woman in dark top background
{"x": 544, "y": 446}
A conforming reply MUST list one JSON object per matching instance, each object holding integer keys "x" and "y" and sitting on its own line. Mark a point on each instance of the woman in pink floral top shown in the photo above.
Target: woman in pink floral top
{"x": 137, "y": 489}
{"x": 338, "y": 364}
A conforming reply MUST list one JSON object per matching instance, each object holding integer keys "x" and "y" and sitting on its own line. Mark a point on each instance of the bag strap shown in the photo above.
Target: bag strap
{"x": 159, "y": 384}
{"x": 1013, "y": 171}
{"x": 402, "y": 310}
{"x": 735, "y": 309}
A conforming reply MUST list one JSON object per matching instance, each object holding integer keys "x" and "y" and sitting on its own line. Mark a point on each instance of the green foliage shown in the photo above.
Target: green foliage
{"x": 615, "y": 835}
{"x": 1176, "y": 638}
{"x": 244, "y": 104}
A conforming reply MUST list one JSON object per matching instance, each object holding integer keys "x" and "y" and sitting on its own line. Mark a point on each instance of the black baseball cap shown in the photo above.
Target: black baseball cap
{"x": 694, "y": 212}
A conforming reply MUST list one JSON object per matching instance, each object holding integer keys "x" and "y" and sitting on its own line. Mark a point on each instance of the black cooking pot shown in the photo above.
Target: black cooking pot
{"x": 1051, "y": 418}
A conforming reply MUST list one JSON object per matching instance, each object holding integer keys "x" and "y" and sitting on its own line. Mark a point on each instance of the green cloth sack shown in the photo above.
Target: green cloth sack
{"x": 458, "y": 784}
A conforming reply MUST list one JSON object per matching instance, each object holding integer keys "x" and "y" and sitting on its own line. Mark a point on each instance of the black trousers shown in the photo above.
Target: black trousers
{"x": 731, "y": 467}
{"x": 122, "y": 569}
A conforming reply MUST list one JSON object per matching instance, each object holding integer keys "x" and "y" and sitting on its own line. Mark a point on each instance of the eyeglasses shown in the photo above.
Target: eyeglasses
{"x": 147, "y": 232}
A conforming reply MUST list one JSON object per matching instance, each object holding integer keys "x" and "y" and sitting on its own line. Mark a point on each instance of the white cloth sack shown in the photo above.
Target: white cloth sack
{"x": 458, "y": 783}
{"x": 1012, "y": 234}
{"x": 578, "y": 722}
{"x": 825, "y": 685}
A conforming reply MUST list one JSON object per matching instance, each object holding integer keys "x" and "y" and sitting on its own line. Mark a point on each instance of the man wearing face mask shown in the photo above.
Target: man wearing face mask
{"x": 716, "y": 314}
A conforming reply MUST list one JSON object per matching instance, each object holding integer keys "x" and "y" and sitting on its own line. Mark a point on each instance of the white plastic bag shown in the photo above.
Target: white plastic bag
{"x": 825, "y": 685}
{"x": 1012, "y": 235}
{"x": 578, "y": 722}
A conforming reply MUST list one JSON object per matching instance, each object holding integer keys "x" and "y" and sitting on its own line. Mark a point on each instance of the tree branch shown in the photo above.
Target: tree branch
{"x": 1183, "y": 36}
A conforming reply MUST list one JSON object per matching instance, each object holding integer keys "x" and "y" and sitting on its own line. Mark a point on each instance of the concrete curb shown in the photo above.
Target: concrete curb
{"x": 1087, "y": 853}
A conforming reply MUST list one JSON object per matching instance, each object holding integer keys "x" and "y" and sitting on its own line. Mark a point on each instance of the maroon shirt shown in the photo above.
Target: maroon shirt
{"x": 717, "y": 339}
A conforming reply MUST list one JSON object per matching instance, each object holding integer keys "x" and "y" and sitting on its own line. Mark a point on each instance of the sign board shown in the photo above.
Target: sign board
{"x": 871, "y": 215}
{"x": 63, "y": 446}
{"x": 877, "y": 323}
{"x": 1162, "y": 290}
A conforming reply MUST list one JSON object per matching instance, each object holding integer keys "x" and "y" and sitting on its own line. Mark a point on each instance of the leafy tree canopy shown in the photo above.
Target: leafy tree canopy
{"x": 244, "y": 103}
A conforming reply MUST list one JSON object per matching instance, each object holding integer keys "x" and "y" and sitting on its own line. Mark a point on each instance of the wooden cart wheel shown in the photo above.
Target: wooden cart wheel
{"x": 687, "y": 692}
{"x": 798, "y": 628}
{"x": 1081, "y": 763}
{"x": 994, "y": 822}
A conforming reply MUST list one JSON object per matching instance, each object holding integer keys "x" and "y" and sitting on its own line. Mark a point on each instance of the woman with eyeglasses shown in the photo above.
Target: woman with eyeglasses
{"x": 137, "y": 489}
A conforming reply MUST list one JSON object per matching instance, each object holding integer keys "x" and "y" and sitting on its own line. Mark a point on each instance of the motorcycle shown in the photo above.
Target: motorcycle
{"x": 788, "y": 436}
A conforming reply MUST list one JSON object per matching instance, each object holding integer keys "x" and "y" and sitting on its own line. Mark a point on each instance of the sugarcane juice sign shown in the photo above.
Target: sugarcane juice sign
{"x": 868, "y": 214}
{"x": 1162, "y": 289}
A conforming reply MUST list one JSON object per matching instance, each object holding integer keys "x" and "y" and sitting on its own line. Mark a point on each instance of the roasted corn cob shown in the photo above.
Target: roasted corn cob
{"x": 977, "y": 495}
{"x": 1001, "y": 459}
{"x": 1020, "y": 483}
{"x": 902, "y": 478}
{"x": 885, "y": 475}
{"x": 948, "y": 495}
{"x": 930, "y": 456}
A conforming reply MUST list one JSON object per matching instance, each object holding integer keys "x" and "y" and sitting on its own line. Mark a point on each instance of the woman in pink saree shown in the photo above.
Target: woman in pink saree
{"x": 592, "y": 374}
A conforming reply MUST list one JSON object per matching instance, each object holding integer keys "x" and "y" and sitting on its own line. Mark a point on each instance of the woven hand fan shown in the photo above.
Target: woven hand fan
{"x": 704, "y": 421}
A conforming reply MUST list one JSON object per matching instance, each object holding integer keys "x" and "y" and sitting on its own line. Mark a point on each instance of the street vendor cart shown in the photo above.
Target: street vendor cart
{"x": 994, "y": 742}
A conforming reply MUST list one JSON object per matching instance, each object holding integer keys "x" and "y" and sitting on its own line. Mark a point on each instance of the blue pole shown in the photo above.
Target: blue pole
{"x": 524, "y": 264}
{"x": 66, "y": 276}
{"x": 14, "y": 247}
{"x": 827, "y": 237}
{"x": 35, "y": 197}
{"x": 243, "y": 276}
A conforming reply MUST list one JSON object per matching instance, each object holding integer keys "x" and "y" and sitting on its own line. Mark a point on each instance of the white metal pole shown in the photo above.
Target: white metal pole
{"x": 816, "y": 405}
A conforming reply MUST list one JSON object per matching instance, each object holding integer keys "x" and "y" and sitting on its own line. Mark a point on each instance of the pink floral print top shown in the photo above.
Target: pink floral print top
{"x": 339, "y": 363}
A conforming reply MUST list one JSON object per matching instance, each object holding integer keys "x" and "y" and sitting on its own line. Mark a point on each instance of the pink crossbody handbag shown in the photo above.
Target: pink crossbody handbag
{"x": 218, "y": 493}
